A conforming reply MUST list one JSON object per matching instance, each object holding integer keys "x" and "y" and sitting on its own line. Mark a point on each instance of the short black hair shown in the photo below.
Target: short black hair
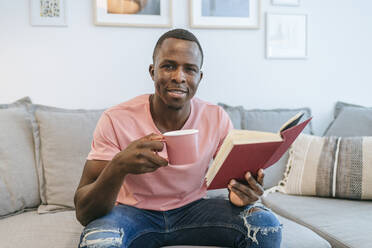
{"x": 178, "y": 33}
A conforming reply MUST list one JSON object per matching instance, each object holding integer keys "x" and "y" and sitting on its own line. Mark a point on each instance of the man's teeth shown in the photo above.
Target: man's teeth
{"x": 177, "y": 91}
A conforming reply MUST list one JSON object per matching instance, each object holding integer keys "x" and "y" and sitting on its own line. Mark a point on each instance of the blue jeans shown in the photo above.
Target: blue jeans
{"x": 209, "y": 222}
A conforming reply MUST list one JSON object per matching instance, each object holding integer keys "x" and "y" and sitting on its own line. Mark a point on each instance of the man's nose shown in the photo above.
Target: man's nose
{"x": 179, "y": 76}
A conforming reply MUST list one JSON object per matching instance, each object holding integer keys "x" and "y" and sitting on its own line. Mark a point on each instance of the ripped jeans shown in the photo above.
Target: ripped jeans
{"x": 209, "y": 222}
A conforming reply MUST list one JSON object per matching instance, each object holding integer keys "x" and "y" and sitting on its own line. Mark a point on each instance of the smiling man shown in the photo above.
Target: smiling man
{"x": 130, "y": 196}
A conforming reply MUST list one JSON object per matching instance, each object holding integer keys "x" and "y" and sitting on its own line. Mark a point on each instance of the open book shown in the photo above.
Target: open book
{"x": 245, "y": 150}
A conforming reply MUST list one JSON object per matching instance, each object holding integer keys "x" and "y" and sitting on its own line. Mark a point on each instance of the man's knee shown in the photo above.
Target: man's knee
{"x": 262, "y": 226}
{"x": 102, "y": 238}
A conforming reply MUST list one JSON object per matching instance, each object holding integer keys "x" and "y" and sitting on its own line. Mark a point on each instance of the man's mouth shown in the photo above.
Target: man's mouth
{"x": 177, "y": 92}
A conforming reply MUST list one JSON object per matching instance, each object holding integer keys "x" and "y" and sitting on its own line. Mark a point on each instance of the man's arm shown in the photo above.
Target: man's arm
{"x": 101, "y": 180}
{"x": 98, "y": 189}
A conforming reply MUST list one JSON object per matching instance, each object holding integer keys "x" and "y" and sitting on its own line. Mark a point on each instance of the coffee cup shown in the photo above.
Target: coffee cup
{"x": 182, "y": 146}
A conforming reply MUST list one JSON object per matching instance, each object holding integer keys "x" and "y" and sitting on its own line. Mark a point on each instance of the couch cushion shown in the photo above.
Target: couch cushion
{"x": 344, "y": 223}
{"x": 18, "y": 177}
{"x": 65, "y": 137}
{"x": 350, "y": 120}
{"x": 62, "y": 230}
{"x": 235, "y": 114}
{"x": 30, "y": 229}
{"x": 330, "y": 167}
{"x": 270, "y": 120}
{"x": 295, "y": 235}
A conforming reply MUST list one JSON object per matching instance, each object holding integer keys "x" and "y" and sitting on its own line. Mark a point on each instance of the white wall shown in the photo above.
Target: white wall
{"x": 88, "y": 66}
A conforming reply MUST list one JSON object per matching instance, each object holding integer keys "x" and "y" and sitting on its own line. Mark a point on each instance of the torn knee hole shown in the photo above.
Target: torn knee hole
{"x": 254, "y": 228}
{"x": 98, "y": 238}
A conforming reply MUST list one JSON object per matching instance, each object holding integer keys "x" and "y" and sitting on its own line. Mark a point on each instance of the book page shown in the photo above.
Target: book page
{"x": 249, "y": 137}
{"x": 291, "y": 122}
{"x": 225, "y": 149}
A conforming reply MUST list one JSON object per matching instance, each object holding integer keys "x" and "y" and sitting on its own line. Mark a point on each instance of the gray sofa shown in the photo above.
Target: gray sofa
{"x": 42, "y": 153}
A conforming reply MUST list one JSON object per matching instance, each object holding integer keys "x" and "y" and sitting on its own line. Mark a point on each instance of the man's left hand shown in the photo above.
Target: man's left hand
{"x": 242, "y": 194}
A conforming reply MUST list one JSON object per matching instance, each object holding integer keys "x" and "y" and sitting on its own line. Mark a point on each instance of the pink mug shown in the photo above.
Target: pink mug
{"x": 182, "y": 146}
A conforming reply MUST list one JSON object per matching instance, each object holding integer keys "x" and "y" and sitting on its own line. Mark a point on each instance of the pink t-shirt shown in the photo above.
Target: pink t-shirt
{"x": 168, "y": 187}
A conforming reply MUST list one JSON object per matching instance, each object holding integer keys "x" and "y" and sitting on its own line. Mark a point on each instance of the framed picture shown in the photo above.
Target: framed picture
{"x": 286, "y": 2}
{"x": 140, "y": 13}
{"x": 225, "y": 14}
{"x": 286, "y": 36}
{"x": 48, "y": 12}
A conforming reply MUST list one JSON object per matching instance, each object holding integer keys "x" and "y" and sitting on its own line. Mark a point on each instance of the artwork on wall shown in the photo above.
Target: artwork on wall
{"x": 48, "y": 12}
{"x": 225, "y": 14}
{"x": 142, "y": 13}
{"x": 286, "y": 36}
{"x": 286, "y": 2}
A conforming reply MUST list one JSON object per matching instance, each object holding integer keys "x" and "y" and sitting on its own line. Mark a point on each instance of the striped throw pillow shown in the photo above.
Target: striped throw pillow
{"x": 339, "y": 167}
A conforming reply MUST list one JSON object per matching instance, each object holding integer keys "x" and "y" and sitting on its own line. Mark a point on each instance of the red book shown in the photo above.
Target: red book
{"x": 245, "y": 150}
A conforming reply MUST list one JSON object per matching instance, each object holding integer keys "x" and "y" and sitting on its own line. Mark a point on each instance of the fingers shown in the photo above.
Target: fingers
{"x": 154, "y": 136}
{"x": 246, "y": 194}
{"x": 147, "y": 161}
{"x": 253, "y": 184}
{"x": 239, "y": 198}
{"x": 152, "y": 141}
{"x": 260, "y": 176}
{"x": 154, "y": 159}
{"x": 242, "y": 194}
{"x": 151, "y": 145}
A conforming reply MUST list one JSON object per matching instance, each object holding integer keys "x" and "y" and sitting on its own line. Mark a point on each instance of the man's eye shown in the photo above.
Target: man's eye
{"x": 191, "y": 69}
{"x": 168, "y": 66}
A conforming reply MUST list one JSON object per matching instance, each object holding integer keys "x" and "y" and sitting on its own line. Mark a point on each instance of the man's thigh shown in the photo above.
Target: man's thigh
{"x": 217, "y": 222}
{"x": 121, "y": 226}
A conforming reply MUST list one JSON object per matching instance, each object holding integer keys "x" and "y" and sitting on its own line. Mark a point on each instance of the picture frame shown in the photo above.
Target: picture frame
{"x": 286, "y": 2}
{"x": 48, "y": 12}
{"x": 152, "y": 13}
{"x": 238, "y": 14}
{"x": 286, "y": 36}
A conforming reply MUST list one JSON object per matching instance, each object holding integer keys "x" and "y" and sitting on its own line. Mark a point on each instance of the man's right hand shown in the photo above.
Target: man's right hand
{"x": 102, "y": 180}
{"x": 141, "y": 156}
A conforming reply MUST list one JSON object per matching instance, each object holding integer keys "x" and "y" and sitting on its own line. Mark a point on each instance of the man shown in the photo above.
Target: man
{"x": 129, "y": 196}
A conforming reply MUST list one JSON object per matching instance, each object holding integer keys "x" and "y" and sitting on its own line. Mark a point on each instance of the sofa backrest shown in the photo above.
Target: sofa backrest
{"x": 18, "y": 177}
{"x": 46, "y": 148}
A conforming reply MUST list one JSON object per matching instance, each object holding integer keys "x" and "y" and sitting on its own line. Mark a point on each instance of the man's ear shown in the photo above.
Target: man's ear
{"x": 201, "y": 76}
{"x": 152, "y": 71}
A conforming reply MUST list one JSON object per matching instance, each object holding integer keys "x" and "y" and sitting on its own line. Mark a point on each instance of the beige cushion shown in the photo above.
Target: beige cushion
{"x": 18, "y": 177}
{"x": 344, "y": 223}
{"x": 65, "y": 137}
{"x": 30, "y": 229}
{"x": 330, "y": 167}
{"x": 62, "y": 230}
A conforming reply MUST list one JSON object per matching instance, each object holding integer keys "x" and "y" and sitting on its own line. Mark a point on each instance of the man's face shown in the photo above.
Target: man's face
{"x": 176, "y": 72}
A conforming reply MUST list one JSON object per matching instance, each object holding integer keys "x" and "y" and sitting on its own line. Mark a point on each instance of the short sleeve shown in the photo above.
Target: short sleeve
{"x": 225, "y": 125}
{"x": 105, "y": 143}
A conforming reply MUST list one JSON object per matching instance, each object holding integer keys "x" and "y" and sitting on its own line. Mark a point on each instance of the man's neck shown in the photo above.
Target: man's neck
{"x": 167, "y": 118}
